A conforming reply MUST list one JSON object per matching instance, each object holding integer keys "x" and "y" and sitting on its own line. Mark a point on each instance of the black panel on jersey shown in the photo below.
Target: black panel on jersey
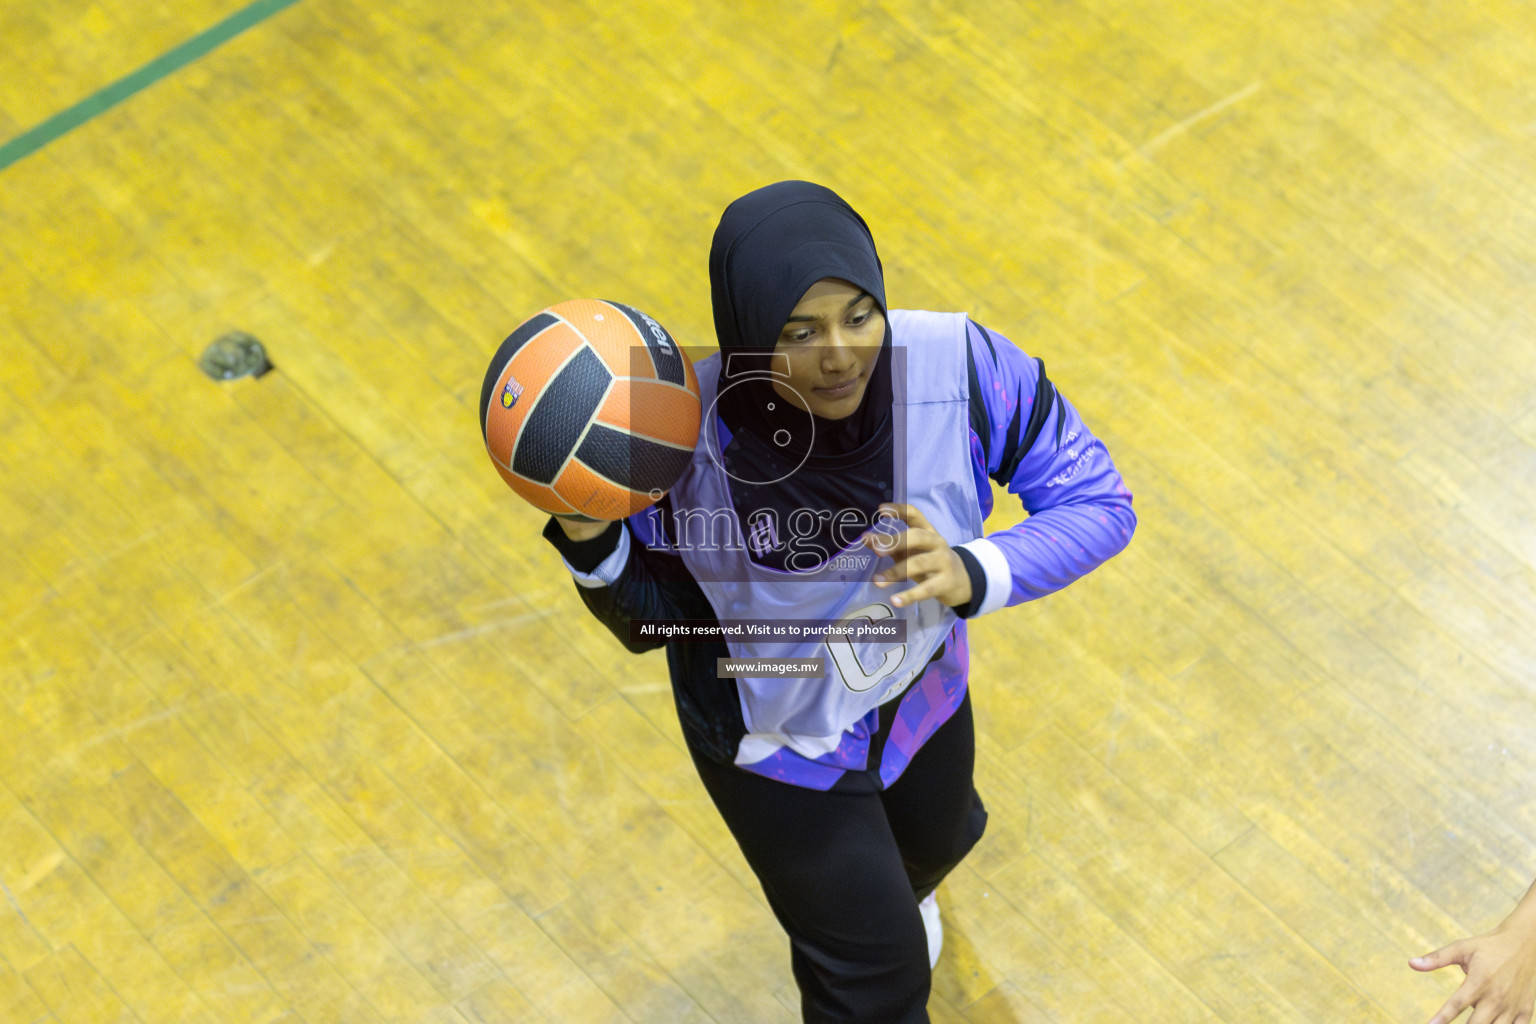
{"x": 527, "y": 331}
{"x": 1016, "y": 447}
{"x": 665, "y": 356}
{"x": 559, "y": 416}
{"x": 981, "y": 422}
{"x": 631, "y": 461}
{"x": 986, "y": 336}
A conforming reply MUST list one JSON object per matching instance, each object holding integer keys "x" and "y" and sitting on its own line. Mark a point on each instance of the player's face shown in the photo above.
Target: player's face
{"x": 830, "y": 343}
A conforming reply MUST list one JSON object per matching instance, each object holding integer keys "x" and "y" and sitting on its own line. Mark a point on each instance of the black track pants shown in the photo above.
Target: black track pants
{"x": 844, "y": 872}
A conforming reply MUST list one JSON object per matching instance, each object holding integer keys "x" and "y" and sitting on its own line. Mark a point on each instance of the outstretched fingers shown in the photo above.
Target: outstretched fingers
{"x": 1456, "y": 953}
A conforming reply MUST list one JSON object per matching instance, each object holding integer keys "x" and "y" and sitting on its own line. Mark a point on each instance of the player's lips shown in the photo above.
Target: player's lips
{"x": 840, "y": 390}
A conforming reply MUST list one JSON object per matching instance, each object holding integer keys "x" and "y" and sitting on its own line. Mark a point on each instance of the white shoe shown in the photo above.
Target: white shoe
{"x": 929, "y": 908}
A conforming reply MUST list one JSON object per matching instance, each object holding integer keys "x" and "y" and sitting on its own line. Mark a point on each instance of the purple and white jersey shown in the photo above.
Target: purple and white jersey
{"x": 977, "y": 407}
{"x": 810, "y": 716}
{"x": 1080, "y": 510}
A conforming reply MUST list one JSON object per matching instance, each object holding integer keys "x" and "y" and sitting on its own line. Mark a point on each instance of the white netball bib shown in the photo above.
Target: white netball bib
{"x": 933, "y": 472}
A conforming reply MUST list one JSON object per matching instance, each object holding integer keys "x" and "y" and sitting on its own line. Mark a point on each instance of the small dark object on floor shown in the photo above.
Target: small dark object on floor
{"x": 236, "y": 354}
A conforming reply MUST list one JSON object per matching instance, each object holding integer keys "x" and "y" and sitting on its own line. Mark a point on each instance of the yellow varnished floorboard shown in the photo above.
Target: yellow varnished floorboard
{"x": 59, "y": 54}
{"x": 300, "y": 720}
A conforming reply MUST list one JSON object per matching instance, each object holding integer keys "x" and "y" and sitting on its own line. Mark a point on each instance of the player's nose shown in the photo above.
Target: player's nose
{"x": 838, "y": 355}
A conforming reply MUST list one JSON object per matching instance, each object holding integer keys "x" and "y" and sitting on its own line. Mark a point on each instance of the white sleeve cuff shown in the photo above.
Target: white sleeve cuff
{"x": 609, "y": 569}
{"x": 999, "y": 577}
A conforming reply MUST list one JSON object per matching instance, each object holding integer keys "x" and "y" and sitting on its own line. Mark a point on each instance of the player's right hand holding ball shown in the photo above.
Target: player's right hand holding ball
{"x": 582, "y": 529}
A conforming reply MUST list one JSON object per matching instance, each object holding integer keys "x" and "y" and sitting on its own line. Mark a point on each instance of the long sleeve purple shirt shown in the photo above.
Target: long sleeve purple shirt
{"x": 1025, "y": 435}
{"x": 1080, "y": 510}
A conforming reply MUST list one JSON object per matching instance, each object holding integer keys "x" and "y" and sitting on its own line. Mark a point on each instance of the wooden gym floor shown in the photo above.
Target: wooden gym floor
{"x": 301, "y": 721}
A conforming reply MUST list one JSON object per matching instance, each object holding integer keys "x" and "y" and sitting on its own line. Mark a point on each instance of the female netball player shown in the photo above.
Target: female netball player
{"x": 841, "y": 476}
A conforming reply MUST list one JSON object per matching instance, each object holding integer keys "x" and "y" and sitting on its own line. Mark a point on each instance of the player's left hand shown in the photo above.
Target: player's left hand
{"x": 920, "y": 554}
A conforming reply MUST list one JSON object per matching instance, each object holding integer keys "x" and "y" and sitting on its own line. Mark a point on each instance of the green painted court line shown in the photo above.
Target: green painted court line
{"x": 168, "y": 63}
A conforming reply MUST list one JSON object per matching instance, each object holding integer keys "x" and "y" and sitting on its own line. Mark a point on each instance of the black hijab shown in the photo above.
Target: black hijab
{"x": 771, "y": 246}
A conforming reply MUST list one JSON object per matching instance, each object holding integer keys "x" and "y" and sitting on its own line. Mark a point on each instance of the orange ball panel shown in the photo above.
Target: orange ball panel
{"x": 594, "y": 496}
{"x": 596, "y": 319}
{"x": 530, "y": 369}
{"x": 615, "y": 338}
{"x": 546, "y": 499}
{"x": 653, "y": 409}
{"x": 609, "y": 333}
